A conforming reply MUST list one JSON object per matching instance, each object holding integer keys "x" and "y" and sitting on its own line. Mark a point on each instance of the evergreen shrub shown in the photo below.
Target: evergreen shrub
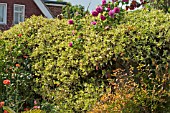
{"x": 74, "y": 78}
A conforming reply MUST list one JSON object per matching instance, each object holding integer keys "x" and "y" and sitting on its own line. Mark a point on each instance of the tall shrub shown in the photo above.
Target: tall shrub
{"x": 74, "y": 78}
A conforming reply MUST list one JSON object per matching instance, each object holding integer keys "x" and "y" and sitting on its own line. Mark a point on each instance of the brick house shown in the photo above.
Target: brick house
{"x": 14, "y": 11}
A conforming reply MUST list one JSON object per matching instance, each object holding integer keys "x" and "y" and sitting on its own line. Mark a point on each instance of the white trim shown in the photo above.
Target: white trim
{"x": 5, "y": 14}
{"x": 17, "y": 11}
{"x": 43, "y": 8}
{"x": 55, "y": 4}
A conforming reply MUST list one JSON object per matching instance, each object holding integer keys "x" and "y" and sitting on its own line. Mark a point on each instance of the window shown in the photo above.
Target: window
{"x": 19, "y": 13}
{"x": 3, "y": 13}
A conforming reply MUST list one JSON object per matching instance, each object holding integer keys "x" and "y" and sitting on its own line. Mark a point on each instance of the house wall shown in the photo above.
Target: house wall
{"x": 55, "y": 10}
{"x": 30, "y": 9}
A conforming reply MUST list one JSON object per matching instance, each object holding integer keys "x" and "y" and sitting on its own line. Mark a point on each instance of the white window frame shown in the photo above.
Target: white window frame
{"x": 5, "y": 14}
{"x": 18, "y": 12}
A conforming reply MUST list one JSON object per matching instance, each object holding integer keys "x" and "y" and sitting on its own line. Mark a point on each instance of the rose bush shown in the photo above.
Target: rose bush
{"x": 16, "y": 77}
{"x": 108, "y": 14}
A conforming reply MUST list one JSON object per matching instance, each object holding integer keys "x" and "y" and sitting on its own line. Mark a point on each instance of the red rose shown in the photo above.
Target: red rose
{"x": 2, "y": 104}
{"x": 19, "y": 35}
{"x": 17, "y": 65}
{"x": 6, "y": 82}
{"x": 5, "y": 111}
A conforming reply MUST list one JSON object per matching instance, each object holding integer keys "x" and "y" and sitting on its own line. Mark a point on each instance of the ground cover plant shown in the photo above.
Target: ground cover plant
{"x": 67, "y": 67}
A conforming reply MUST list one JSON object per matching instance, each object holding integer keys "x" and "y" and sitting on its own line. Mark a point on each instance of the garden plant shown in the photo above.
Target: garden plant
{"x": 109, "y": 61}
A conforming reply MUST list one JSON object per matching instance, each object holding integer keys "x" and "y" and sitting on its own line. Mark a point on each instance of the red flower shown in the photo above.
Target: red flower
{"x": 26, "y": 109}
{"x": 70, "y": 22}
{"x": 116, "y": 10}
{"x": 36, "y": 107}
{"x": 6, "y": 82}
{"x": 95, "y": 13}
{"x": 25, "y": 56}
{"x": 125, "y": 0}
{"x": 17, "y": 65}
{"x": 99, "y": 9}
{"x": 111, "y": 13}
{"x": 5, "y": 111}
{"x": 71, "y": 44}
{"x": 19, "y": 35}
{"x": 102, "y": 17}
{"x": 103, "y": 2}
{"x": 2, "y": 104}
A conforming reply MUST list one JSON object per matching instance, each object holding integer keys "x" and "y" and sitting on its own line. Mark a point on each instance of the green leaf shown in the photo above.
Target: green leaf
{"x": 8, "y": 109}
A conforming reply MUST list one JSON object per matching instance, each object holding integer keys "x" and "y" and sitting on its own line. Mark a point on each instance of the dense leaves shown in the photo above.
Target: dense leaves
{"x": 70, "y": 11}
{"x": 74, "y": 78}
{"x": 161, "y": 4}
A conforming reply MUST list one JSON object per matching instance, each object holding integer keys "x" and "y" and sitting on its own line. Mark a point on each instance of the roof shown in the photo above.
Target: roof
{"x": 44, "y": 9}
{"x": 55, "y": 2}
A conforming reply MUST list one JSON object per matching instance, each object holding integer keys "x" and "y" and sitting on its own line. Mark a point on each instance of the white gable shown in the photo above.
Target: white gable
{"x": 43, "y": 8}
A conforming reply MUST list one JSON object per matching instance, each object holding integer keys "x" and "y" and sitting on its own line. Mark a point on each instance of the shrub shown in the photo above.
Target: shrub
{"x": 70, "y": 11}
{"x": 15, "y": 67}
{"x": 130, "y": 97}
{"x": 145, "y": 58}
{"x": 73, "y": 77}
{"x": 63, "y": 86}
{"x": 160, "y": 4}
{"x": 108, "y": 14}
{"x": 34, "y": 111}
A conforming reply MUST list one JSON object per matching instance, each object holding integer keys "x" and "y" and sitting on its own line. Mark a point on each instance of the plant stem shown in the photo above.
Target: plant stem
{"x": 16, "y": 96}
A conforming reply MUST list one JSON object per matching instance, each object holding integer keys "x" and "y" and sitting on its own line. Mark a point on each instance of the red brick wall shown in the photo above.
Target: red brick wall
{"x": 55, "y": 10}
{"x": 30, "y": 9}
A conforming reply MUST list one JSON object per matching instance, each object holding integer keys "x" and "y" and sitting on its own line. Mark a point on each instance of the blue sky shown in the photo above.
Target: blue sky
{"x": 85, "y": 3}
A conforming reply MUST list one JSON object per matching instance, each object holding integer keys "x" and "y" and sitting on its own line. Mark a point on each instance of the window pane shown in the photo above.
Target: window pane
{"x": 16, "y": 18}
{"x": 20, "y": 17}
{"x": 19, "y": 8}
{"x": 2, "y": 8}
{"x": 18, "y": 14}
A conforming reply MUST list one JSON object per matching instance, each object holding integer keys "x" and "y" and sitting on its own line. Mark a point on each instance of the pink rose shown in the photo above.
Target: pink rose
{"x": 116, "y": 10}
{"x": 95, "y": 13}
{"x": 71, "y": 44}
{"x": 99, "y": 9}
{"x": 70, "y": 22}
{"x": 103, "y": 2}
{"x": 93, "y": 23}
{"x": 125, "y": 0}
{"x": 102, "y": 17}
{"x": 111, "y": 13}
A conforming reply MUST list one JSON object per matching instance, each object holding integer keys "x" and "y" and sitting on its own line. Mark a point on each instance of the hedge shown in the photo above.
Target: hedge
{"x": 74, "y": 78}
